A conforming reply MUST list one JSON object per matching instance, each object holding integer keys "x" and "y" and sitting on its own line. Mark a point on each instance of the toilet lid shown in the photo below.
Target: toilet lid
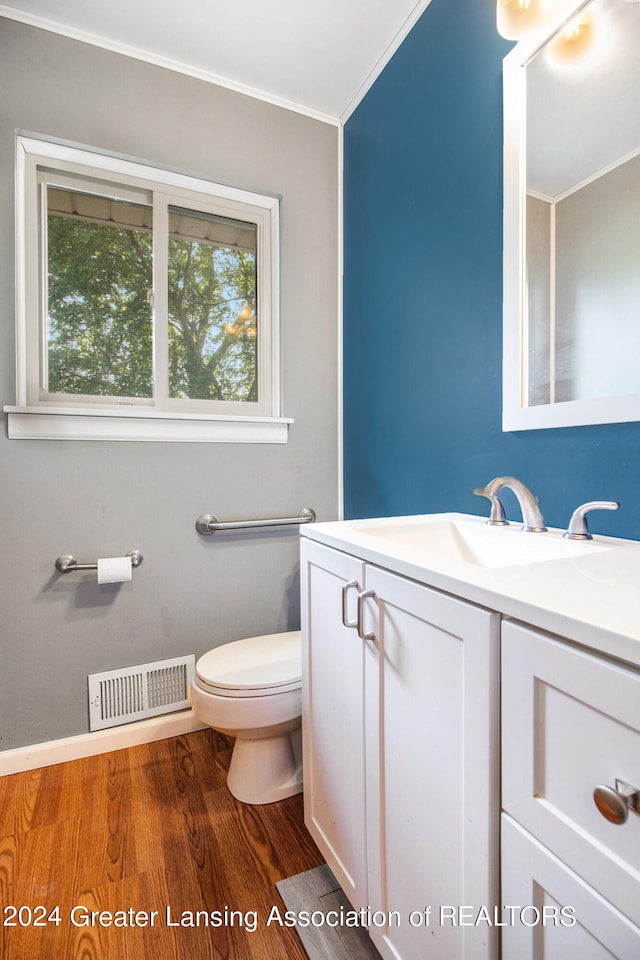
{"x": 253, "y": 666}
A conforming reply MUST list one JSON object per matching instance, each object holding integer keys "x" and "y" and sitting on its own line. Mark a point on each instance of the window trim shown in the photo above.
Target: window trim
{"x": 176, "y": 420}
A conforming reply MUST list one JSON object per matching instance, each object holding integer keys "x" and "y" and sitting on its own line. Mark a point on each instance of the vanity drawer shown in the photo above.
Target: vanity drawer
{"x": 559, "y": 916}
{"x": 571, "y": 722}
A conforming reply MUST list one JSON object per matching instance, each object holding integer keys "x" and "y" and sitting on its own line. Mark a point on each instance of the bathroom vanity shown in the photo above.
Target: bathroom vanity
{"x": 441, "y": 659}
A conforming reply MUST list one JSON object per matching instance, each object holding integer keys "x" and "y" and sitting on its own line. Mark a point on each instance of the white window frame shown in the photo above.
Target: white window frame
{"x": 37, "y": 416}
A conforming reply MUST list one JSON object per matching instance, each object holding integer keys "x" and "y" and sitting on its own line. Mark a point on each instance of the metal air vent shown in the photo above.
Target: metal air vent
{"x": 134, "y": 693}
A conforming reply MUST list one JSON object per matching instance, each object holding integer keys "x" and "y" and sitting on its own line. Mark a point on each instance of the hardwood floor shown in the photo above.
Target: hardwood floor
{"x": 150, "y": 840}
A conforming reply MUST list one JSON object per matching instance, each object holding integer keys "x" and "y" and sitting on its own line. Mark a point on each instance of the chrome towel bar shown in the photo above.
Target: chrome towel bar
{"x": 67, "y": 563}
{"x": 208, "y": 524}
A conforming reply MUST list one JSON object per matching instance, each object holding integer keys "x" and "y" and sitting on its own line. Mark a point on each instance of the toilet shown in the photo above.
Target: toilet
{"x": 251, "y": 689}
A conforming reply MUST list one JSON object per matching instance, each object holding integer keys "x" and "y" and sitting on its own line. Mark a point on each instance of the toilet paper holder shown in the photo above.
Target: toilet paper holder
{"x": 67, "y": 563}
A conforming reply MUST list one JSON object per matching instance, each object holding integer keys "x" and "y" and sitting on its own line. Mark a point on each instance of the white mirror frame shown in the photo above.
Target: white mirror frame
{"x": 516, "y": 414}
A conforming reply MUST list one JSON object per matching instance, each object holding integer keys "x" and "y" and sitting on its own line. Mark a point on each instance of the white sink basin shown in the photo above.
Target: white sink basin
{"x": 473, "y": 541}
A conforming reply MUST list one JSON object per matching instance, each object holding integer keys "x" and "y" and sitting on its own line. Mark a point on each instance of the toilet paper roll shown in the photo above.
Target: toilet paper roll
{"x": 114, "y": 569}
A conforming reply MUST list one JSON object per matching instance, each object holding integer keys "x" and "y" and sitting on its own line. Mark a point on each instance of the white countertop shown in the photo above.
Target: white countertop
{"x": 592, "y": 598}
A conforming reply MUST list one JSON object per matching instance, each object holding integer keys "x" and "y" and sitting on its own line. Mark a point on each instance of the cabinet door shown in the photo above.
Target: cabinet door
{"x": 333, "y": 715}
{"x": 545, "y": 896}
{"x": 571, "y": 722}
{"x": 432, "y": 770}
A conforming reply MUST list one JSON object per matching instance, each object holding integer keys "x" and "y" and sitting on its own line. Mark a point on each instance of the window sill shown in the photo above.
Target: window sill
{"x": 59, "y": 423}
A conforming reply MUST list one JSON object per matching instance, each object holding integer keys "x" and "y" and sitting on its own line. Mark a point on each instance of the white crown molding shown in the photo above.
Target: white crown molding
{"x": 137, "y": 53}
{"x": 384, "y": 59}
{"x": 177, "y": 66}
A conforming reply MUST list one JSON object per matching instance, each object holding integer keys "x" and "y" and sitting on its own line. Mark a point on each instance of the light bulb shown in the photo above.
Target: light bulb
{"x": 516, "y": 18}
{"x": 575, "y": 41}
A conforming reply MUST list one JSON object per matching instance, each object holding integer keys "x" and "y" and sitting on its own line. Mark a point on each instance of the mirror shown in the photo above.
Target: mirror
{"x": 572, "y": 219}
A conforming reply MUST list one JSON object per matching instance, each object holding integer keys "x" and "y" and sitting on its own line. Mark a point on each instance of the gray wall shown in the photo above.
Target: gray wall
{"x": 598, "y": 286}
{"x": 103, "y": 498}
{"x": 538, "y": 219}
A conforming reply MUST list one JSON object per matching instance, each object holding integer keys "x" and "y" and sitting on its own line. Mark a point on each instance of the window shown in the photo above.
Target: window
{"x": 147, "y": 303}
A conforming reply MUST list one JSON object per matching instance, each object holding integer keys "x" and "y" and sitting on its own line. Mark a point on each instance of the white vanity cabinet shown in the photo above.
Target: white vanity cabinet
{"x": 333, "y": 711}
{"x": 570, "y": 722}
{"x": 442, "y": 616}
{"x": 400, "y": 728}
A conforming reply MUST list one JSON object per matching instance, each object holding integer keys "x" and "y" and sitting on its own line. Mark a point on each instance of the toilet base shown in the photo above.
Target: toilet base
{"x": 266, "y": 770}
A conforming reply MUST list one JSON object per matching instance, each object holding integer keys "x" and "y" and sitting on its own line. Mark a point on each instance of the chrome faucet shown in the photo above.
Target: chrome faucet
{"x": 531, "y": 516}
{"x": 578, "y": 529}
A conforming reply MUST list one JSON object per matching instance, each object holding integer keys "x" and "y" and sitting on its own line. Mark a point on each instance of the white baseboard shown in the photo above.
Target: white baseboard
{"x": 103, "y": 741}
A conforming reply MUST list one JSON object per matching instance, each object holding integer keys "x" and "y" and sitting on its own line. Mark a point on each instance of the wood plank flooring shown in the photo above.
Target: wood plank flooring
{"x": 148, "y": 839}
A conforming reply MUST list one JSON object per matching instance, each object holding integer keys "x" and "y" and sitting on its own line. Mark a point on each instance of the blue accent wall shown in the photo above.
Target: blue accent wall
{"x": 423, "y": 298}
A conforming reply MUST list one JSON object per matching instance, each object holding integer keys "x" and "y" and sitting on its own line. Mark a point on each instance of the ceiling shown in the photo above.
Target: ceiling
{"x": 315, "y": 56}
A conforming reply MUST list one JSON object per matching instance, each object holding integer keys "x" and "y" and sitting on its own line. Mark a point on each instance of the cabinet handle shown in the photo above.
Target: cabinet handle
{"x": 347, "y": 586}
{"x": 614, "y": 803}
{"x": 361, "y": 599}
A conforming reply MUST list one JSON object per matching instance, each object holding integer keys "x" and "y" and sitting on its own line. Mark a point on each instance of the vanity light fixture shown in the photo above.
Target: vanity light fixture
{"x": 244, "y": 324}
{"x": 517, "y": 18}
{"x": 575, "y": 41}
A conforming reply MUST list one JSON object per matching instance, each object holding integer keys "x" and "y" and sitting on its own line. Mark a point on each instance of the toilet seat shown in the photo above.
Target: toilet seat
{"x": 253, "y": 667}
